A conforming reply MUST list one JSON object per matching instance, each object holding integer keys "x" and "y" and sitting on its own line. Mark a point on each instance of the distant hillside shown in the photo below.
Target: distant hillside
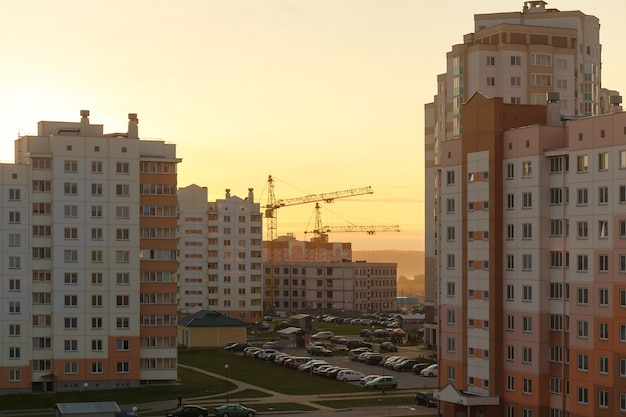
{"x": 410, "y": 263}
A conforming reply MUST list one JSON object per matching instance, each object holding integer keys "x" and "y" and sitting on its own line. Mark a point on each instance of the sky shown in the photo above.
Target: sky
{"x": 324, "y": 95}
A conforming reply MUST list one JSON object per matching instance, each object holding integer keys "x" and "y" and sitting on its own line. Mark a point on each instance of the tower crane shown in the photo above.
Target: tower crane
{"x": 322, "y": 231}
{"x": 271, "y": 282}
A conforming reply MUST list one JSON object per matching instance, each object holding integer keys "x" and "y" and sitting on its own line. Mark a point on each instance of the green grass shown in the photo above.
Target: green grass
{"x": 193, "y": 384}
{"x": 371, "y": 401}
{"x": 256, "y": 372}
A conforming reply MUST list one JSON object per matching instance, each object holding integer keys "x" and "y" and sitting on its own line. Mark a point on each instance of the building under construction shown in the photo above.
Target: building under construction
{"x": 335, "y": 286}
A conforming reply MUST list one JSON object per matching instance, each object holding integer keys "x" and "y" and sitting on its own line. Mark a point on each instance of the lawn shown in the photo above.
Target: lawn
{"x": 262, "y": 373}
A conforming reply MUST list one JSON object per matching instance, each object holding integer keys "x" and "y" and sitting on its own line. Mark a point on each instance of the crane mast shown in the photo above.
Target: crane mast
{"x": 271, "y": 282}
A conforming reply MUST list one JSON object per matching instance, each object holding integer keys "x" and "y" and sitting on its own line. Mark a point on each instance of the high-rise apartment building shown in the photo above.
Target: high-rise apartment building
{"x": 220, "y": 254}
{"x": 515, "y": 302}
{"x": 519, "y": 56}
{"x": 89, "y": 243}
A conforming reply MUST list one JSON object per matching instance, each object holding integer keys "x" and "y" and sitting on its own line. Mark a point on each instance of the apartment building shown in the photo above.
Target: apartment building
{"x": 532, "y": 262}
{"x": 220, "y": 254}
{"x": 89, "y": 264}
{"x": 521, "y": 57}
{"x": 333, "y": 287}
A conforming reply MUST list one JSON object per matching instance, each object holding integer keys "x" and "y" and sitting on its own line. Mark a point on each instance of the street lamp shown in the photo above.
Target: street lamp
{"x": 85, "y": 385}
{"x": 135, "y": 410}
{"x": 227, "y": 387}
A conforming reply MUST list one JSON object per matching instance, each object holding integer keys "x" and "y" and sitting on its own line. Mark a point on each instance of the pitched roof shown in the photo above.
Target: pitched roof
{"x": 210, "y": 318}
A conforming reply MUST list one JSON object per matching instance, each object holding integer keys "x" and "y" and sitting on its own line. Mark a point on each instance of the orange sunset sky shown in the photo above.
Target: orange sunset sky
{"x": 324, "y": 95}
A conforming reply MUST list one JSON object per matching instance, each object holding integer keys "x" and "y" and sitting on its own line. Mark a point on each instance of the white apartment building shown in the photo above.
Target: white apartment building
{"x": 220, "y": 254}
{"x": 89, "y": 259}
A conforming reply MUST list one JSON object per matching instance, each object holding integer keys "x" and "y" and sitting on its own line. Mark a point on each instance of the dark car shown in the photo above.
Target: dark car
{"x": 388, "y": 347}
{"x": 237, "y": 347}
{"x": 234, "y": 410}
{"x": 189, "y": 411}
{"x": 320, "y": 351}
{"x": 353, "y": 344}
{"x": 417, "y": 368}
{"x": 425, "y": 398}
{"x": 366, "y": 333}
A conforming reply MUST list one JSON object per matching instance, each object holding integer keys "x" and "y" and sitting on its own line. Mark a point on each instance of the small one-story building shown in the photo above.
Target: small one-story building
{"x": 209, "y": 328}
{"x": 291, "y": 337}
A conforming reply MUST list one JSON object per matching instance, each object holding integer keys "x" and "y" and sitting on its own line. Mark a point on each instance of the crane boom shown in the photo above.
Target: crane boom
{"x": 370, "y": 230}
{"x": 271, "y": 282}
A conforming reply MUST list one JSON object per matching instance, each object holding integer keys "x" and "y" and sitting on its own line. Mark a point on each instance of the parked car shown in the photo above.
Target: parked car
{"x": 320, "y": 351}
{"x": 355, "y": 344}
{"x": 307, "y": 365}
{"x": 325, "y": 335}
{"x": 332, "y": 373}
{"x": 382, "y": 382}
{"x": 374, "y": 359}
{"x": 431, "y": 370}
{"x": 405, "y": 365}
{"x": 264, "y": 325}
{"x": 388, "y": 347}
{"x": 234, "y": 410}
{"x": 272, "y": 345}
{"x": 250, "y": 351}
{"x": 349, "y": 375}
{"x": 339, "y": 340}
{"x": 425, "y": 398}
{"x": 236, "y": 347}
{"x": 189, "y": 411}
{"x": 366, "y": 333}
{"x": 417, "y": 368}
{"x": 297, "y": 361}
{"x": 368, "y": 378}
{"x": 354, "y": 353}
{"x": 264, "y": 353}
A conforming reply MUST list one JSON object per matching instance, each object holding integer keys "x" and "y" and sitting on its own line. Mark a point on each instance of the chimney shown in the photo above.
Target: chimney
{"x": 554, "y": 109}
{"x": 228, "y": 193}
{"x": 133, "y": 129}
{"x": 616, "y": 104}
{"x": 251, "y": 195}
{"x": 84, "y": 121}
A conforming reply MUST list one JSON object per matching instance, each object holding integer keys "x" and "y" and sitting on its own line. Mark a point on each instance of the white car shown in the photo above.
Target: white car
{"x": 325, "y": 335}
{"x": 349, "y": 375}
{"x": 368, "y": 378}
{"x": 431, "y": 370}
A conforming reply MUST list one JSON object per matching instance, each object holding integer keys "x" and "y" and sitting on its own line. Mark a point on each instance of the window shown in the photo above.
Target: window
{"x": 527, "y": 355}
{"x": 583, "y": 395}
{"x": 122, "y": 323}
{"x": 603, "y": 331}
{"x": 122, "y": 367}
{"x": 122, "y": 212}
{"x": 583, "y": 362}
{"x": 122, "y": 278}
{"x": 71, "y": 233}
{"x": 583, "y": 263}
{"x": 516, "y": 81}
{"x": 70, "y": 322}
{"x": 122, "y": 234}
{"x": 122, "y": 256}
{"x": 122, "y": 301}
{"x": 491, "y": 61}
{"x": 510, "y": 201}
{"x": 510, "y": 323}
{"x": 583, "y": 296}
{"x": 14, "y": 194}
{"x": 556, "y": 195}
{"x": 527, "y": 169}
{"x": 603, "y": 195}
{"x": 603, "y": 229}
{"x": 122, "y": 190}
{"x": 583, "y": 329}
{"x": 527, "y": 292}
{"x": 603, "y": 263}
{"x": 516, "y": 60}
{"x": 527, "y": 324}
{"x": 450, "y": 261}
{"x": 15, "y": 262}
{"x": 555, "y": 385}
{"x": 451, "y": 289}
{"x": 450, "y": 177}
{"x": 510, "y": 353}
{"x": 527, "y": 386}
{"x": 582, "y": 163}
{"x": 527, "y": 200}
{"x": 451, "y": 317}
{"x": 70, "y": 188}
{"x": 603, "y": 297}
{"x": 491, "y": 81}
{"x": 510, "y": 171}
{"x": 603, "y": 398}
{"x": 70, "y": 278}
{"x": 71, "y": 345}
{"x": 561, "y": 84}
{"x": 583, "y": 230}
{"x": 450, "y": 205}
{"x": 603, "y": 161}
{"x": 527, "y": 262}
{"x": 70, "y": 166}
{"x": 70, "y": 300}
{"x": 527, "y": 231}
{"x": 510, "y": 231}
{"x": 96, "y": 211}
{"x": 96, "y": 322}
{"x": 451, "y": 233}
{"x": 556, "y": 322}
{"x": 451, "y": 344}
{"x": 14, "y": 217}
{"x": 97, "y": 367}
{"x": 603, "y": 365}
{"x": 96, "y": 189}
{"x": 510, "y": 292}
{"x": 70, "y": 210}
{"x": 70, "y": 255}
{"x": 122, "y": 345}
{"x": 122, "y": 168}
